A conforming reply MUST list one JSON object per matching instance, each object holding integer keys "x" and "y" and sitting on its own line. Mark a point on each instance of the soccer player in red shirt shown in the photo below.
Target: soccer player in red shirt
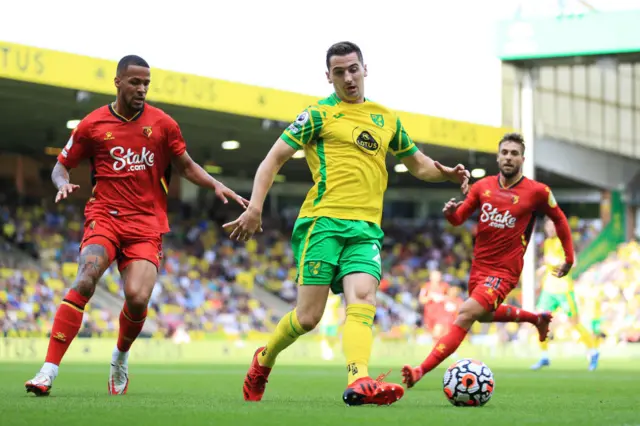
{"x": 508, "y": 203}
{"x": 132, "y": 147}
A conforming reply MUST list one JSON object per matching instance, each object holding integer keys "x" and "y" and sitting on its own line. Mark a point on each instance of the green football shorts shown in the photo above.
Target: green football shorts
{"x": 327, "y": 249}
{"x": 328, "y": 330}
{"x": 564, "y": 301}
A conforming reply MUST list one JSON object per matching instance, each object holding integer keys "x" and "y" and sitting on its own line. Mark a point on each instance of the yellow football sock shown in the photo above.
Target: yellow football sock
{"x": 544, "y": 346}
{"x": 357, "y": 340}
{"x": 588, "y": 338}
{"x": 287, "y": 331}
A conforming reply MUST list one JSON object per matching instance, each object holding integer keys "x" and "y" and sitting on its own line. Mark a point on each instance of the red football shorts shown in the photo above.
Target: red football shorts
{"x": 124, "y": 240}
{"x": 490, "y": 289}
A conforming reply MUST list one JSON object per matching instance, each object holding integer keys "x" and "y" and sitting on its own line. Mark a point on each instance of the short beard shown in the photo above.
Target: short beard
{"x": 513, "y": 173}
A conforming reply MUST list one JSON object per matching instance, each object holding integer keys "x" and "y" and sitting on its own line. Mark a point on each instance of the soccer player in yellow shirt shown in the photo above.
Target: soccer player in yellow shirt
{"x": 557, "y": 293}
{"x": 337, "y": 237}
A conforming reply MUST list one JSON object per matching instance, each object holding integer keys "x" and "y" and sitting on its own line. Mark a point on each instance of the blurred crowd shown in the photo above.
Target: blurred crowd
{"x": 199, "y": 291}
{"x": 206, "y": 281}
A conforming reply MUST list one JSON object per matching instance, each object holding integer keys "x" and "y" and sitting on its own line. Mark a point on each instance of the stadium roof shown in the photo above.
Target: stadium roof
{"x": 41, "y": 90}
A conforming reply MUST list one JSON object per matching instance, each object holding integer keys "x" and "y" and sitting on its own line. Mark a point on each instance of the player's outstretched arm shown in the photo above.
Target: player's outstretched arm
{"x": 195, "y": 174}
{"x": 249, "y": 222}
{"x": 60, "y": 178}
{"x": 457, "y": 212}
{"x": 424, "y": 168}
{"x": 550, "y": 207}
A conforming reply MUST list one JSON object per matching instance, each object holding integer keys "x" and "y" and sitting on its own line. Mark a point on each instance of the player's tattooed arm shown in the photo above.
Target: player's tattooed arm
{"x": 60, "y": 175}
{"x": 60, "y": 178}
{"x": 195, "y": 174}
{"x": 92, "y": 264}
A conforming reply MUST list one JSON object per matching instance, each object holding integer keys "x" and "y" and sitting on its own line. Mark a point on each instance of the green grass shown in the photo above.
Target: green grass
{"x": 565, "y": 394}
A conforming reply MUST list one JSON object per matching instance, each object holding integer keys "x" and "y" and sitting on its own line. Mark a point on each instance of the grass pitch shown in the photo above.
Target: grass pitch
{"x": 159, "y": 394}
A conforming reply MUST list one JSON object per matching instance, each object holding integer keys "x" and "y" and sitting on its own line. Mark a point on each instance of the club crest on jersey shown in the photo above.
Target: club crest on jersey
{"x": 378, "y": 119}
{"x": 515, "y": 199}
{"x": 366, "y": 140}
{"x": 314, "y": 267}
{"x": 108, "y": 136}
{"x": 147, "y": 131}
{"x": 496, "y": 218}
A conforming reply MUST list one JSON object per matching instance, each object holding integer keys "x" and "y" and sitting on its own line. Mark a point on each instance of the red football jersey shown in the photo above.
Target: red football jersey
{"x": 130, "y": 162}
{"x": 506, "y": 221}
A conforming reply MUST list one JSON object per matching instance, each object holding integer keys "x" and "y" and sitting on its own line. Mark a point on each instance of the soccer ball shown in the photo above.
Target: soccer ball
{"x": 468, "y": 383}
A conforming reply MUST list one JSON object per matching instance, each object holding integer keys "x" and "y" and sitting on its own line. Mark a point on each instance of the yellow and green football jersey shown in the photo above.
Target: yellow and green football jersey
{"x": 553, "y": 257}
{"x": 345, "y": 146}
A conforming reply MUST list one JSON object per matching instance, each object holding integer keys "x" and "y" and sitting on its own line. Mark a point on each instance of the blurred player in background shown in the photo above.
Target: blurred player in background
{"x": 337, "y": 237}
{"x": 507, "y": 203}
{"x": 329, "y": 324}
{"x": 592, "y": 304}
{"x": 558, "y": 294}
{"x": 131, "y": 147}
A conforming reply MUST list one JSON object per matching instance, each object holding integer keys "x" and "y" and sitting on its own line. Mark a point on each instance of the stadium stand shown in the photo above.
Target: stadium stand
{"x": 210, "y": 285}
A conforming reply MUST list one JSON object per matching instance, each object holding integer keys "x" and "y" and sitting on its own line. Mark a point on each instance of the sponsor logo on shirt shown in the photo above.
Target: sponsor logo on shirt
{"x": 496, "y": 218}
{"x": 130, "y": 160}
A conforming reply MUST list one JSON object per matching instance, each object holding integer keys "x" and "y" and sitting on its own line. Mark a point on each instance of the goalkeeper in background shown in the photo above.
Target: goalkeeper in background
{"x": 557, "y": 293}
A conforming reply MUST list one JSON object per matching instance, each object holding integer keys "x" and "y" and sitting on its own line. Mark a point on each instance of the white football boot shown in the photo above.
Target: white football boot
{"x": 40, "y": 385}
{"x": 119, "y": 373}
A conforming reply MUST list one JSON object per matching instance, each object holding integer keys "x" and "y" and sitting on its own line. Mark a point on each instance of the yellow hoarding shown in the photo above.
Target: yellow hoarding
{"x": 61, "y": 69}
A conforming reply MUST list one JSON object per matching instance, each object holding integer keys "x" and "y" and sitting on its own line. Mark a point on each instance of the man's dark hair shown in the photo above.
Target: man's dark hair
{"x": 130, "y": 60}
{"x": 341, "y": 49}
{"x": 512, "y": 137}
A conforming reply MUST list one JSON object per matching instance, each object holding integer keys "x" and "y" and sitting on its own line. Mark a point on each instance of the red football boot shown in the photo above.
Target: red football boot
{"x": 369, "y": 391}
{"x": 544, "y": 319}
{"x": 411, "y": 376}
{"x": 256, "y": 379}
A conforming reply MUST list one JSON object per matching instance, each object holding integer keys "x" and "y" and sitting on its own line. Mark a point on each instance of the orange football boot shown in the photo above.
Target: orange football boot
{"x": 256, "y": 379}
{"x": 369, "y": 391}
{"x": 411, "y": 376}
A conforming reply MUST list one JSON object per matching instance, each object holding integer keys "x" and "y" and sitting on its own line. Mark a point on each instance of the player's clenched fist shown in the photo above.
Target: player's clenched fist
{"x": 451, "y": 206}
{"x": 65, "y": 190}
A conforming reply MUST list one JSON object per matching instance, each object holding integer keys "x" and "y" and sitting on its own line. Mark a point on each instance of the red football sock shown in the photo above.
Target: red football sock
{"x": 130, "y": 326}
{"x": 445, "y": 347}
{"x": 66, "y": 325}
{"x": 508, "y": 313}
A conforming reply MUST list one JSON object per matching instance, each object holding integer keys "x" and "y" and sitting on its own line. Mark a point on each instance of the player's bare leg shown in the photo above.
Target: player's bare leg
{"x": 68, "y": 320}
{"x": 139, "y": 280}
{"x": 470, "y": 312}
{"x": 310, "y": 305}
{"x": 360, "y": 296}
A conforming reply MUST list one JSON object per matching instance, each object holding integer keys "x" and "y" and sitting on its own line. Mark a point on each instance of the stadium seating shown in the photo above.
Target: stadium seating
{"x": 206, "y": 281}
